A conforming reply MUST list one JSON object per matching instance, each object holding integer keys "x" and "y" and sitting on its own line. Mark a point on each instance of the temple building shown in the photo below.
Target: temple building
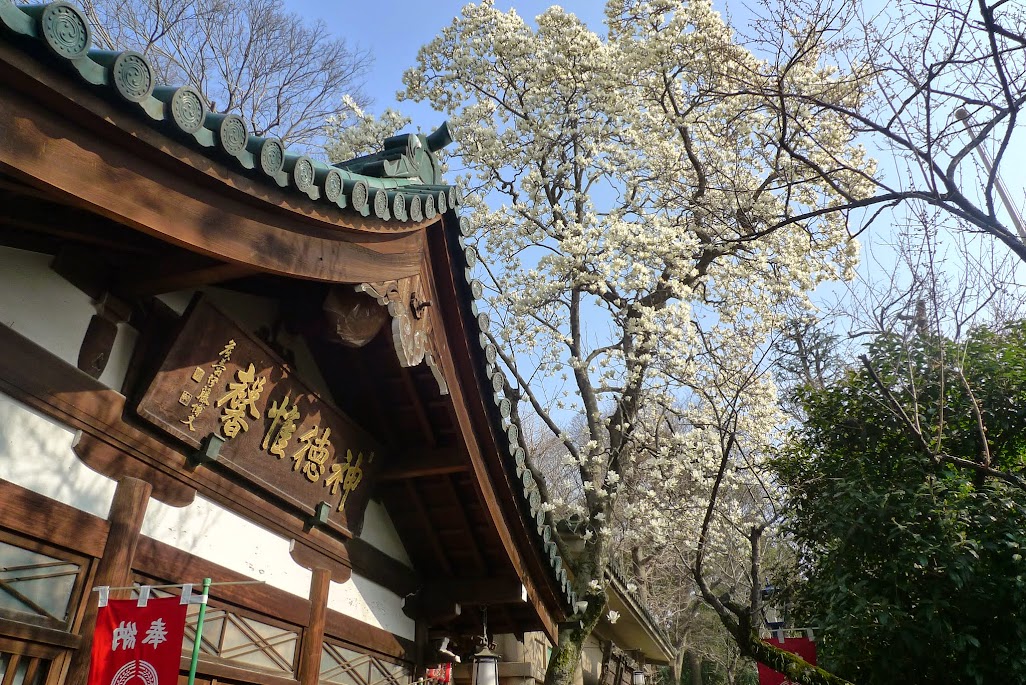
{"x": 220, "y": 358}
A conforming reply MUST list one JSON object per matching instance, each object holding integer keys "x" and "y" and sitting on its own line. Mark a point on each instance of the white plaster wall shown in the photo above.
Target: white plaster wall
{"x": 379, "y": 531}
{"x": 41, "y": 305}
{"x": 36, "y": 302}
{"x": 35, "y": 453}
{"x": 371, "y": 603}
{"x": 212, "y": 532}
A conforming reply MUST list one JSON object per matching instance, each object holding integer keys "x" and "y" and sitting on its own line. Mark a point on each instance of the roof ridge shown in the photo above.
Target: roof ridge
{"x": 402, "y": 182}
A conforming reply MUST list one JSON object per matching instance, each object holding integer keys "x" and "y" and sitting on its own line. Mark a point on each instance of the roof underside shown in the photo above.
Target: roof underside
{"x": 435, "y": 499}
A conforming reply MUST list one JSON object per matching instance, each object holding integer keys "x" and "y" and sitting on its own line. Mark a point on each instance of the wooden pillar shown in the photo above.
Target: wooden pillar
{"x": 420, "y": 647}
{"x": 115, "y": 566}
{"x": 313, "y": 635}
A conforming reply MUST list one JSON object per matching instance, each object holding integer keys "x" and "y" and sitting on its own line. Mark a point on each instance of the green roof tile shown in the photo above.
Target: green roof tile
{"x": 406, "y": 167}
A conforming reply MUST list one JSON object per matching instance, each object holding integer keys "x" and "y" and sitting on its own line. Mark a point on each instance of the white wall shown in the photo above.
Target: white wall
{"x": 371, "y": 603}
{"x": 35, "y": 453}
{"x": 36, "y": 302}
{"x": 208, "y": 530}
{"x": 380, "y": 532}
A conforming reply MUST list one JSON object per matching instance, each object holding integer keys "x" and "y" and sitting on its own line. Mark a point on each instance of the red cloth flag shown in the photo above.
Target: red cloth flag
{"x": 802, "y": 646}
{"x": 133, "y": 642}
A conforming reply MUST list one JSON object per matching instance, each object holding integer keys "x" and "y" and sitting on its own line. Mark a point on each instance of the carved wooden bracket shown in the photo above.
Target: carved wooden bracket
{"x": 101, "y": 334}
{"x": 353, "y": 320}
{"x": 411, "y": 322}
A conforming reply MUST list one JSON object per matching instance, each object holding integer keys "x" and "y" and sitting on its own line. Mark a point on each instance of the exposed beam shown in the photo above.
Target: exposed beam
{"x": 166, "y": 277}
{"x": 422, "y": 463}
{"x": 183, "y": 198}
{"x": 417, "y": 406}
{"x": 428, "y": 527}
{"x": 71, "y": 224}
{"x": 432, "y": 609}
{"x": 478, "y": 591}
{"x": 472, "y": 543}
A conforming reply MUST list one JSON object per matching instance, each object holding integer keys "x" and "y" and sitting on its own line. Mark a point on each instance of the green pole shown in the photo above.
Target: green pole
{"x": 199, "y": 632}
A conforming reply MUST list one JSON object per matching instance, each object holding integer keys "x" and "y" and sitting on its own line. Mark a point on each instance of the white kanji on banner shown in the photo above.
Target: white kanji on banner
{"x": 133, "y": 641}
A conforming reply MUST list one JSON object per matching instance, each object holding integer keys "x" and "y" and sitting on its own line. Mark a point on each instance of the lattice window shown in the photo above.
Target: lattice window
{"x": 346, "y": 667}
{"x": 38, "y": 583}
{"x": 241, "y": 639}
{"x": 21, "y": 669}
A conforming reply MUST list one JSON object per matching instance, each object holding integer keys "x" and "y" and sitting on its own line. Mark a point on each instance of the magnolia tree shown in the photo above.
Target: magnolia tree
{"x": 638, "y": 227}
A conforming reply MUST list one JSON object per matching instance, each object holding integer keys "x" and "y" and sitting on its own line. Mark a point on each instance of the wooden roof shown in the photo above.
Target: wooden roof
{"x": 135, "y": 200}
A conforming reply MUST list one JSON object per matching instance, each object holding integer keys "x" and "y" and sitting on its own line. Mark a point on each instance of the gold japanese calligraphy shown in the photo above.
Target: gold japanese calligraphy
{"x": 313, "y": 450}
{"x": 242, "y": 395}
{"x": 202, "y": 400}
{"x": 346, "y": 476}
{"x": 280, "y": 436}
{"x": 311, "y": 457}
{"x": 281, "y": 430}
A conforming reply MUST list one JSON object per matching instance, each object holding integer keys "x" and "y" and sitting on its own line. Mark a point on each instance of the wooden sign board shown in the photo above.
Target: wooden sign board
{"x": 279, "y": 435}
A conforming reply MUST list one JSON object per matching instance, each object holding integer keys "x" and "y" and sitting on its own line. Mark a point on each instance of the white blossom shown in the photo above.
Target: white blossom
{"x": 634, "y": 215}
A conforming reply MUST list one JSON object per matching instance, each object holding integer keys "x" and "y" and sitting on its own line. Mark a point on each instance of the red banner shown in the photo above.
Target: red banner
{"x": 802, "y": 646}
{"x": 138, "y": 642}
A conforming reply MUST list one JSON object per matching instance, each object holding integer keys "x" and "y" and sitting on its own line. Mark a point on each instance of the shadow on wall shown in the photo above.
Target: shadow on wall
{"x": 35, "y": 453}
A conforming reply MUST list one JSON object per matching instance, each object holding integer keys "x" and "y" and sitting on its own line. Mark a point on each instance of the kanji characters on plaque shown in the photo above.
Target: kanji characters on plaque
{"x": 220, "y": 381}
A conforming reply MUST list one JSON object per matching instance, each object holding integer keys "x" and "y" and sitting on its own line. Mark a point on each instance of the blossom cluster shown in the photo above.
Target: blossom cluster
{"x": 638, "y": 215}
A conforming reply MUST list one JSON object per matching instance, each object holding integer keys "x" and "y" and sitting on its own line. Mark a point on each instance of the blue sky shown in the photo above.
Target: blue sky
{"x": 394, "y": 30}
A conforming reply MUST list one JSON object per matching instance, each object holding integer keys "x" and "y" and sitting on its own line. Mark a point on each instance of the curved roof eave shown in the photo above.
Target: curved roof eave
{"x": 400, "y": 184}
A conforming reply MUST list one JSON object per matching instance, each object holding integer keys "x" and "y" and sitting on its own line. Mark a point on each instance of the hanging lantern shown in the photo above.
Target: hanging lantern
{"x": 638, "y": 677}
{"x": 486, "y": 667}
{"x": 486, "y": 662}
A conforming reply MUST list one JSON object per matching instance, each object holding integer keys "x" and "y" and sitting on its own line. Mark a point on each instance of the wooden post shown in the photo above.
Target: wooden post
{"x": 313, "y": 635}
{"x": 420, "y": 647}
{"x": 115, "y": 566}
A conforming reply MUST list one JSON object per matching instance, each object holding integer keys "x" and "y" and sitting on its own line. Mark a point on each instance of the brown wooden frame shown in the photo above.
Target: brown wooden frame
{"x": 73, "y": 146}
{"x": 58, "y": 136}
{"x": 75, "y": 599}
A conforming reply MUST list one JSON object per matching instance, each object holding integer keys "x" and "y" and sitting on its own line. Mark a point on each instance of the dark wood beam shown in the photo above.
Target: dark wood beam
{"x": 432, "y": 609}
{"x": 480, "y": 567}
{"x": 423, "y": 463}
{"x": 429, "y": 531}
{"x": 478, "y": 591}
{"x": 183, "y": 274}
{"x": 383, "y": 569}
{"x": 71, "y": 224}
{"x": 105, "y": 161}
{"x": 418, "y": 408}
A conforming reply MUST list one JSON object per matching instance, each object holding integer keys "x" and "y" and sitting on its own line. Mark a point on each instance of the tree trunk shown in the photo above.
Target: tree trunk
{"x": 677, "y": 665}
{"x": 589, "y": 567}
{"x": 791, "y": 665}
{"x": 641, "y": 572}
{"x": 566, "y": 654}
{"x": 695, "y": 663}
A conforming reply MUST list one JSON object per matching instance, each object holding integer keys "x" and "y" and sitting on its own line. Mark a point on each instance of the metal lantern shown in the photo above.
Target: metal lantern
{"x": 486, "y": 662}
{"x": 638, "y": 677}
{"x": 486, "y": 667}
